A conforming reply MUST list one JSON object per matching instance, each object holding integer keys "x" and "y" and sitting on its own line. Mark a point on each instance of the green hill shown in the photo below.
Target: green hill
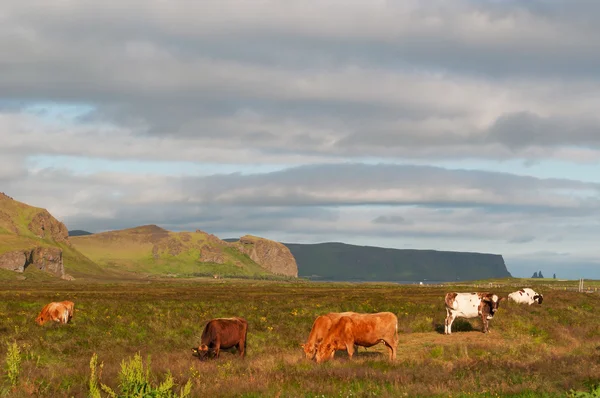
{"x": 343, "y": 262}
{"x": 150, "y": 249}
{"x": 30, "y": 236}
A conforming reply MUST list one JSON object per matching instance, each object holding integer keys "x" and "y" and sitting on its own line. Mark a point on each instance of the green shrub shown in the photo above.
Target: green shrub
{"x": 93, "y": 384}
{"x": 593, "y": 393}
{"x": 13, "y": 363}
{"x": 135, "y": 381}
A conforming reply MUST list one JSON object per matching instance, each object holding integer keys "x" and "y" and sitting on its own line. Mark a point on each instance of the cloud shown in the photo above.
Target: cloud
{"x": 522, "y": 239}
{"x": 392, "y": 219}
{"x": 476, "y": 79}
{"x": 525, "y": 129}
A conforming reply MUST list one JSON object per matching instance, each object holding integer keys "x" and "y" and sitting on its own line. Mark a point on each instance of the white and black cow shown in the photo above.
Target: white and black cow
{"x": 526, "y": 296}
{"x": 470, "y": 305}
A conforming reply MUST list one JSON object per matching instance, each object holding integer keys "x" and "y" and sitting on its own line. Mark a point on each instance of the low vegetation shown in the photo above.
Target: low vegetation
{"x": 548, "y": 350}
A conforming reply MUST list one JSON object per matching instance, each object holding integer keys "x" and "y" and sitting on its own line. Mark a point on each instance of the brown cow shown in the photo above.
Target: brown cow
{"x": 222, "y": 333}
{"x": 58, "y": 312}
{"x": 364, "y": 330}
{"x": 319, "y": 330}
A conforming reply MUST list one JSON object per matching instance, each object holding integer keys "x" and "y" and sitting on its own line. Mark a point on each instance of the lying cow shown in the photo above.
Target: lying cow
{"x": 222, "y": 333}
{"x": 61, "y": 312}
{"x": 319, "y": 330}
{"x": 470, "y": 305}
{"x": 526, "y": 296}
{"x": 364, "y": 330}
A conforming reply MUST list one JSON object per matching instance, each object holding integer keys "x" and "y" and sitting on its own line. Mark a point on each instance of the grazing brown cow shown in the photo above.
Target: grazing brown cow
{"x": 470, "y": 305}
{"x": 58, "y": 312}
{"x": 319, "y": 330}
{"x": 222, "y": 333}
{"x": 364, "y": 330}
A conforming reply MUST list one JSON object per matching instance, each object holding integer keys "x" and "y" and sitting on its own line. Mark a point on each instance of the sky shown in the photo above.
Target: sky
{"x": 466, "y": 125}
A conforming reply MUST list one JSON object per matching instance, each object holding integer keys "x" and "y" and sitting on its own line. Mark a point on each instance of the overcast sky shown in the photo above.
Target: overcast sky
{"x": 450, "y": 125}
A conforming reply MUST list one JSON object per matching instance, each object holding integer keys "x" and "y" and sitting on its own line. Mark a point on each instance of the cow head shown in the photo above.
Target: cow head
{"x": 325, "y": 351}
{"x": 201, "y": 352}
{"x": 41, "y": 319}
{"x": 493, "y": 302}
{"x": 310, "y": 350}
{"x": 538, "y": 298}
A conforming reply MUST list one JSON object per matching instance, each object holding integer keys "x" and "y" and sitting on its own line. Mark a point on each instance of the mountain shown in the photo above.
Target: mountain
{"x": 339, "y": 262}
{"x": 154, "y": 250}
{"x": 30, "y": 236}
{"x": 78, "y": 232}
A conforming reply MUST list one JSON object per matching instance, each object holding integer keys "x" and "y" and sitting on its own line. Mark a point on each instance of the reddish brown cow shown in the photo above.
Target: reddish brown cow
{"x": 364, "y": 330}
{"x": 222, "y": 333}
{"x": 319, "y": 330}
{"x": 58, "y": 312}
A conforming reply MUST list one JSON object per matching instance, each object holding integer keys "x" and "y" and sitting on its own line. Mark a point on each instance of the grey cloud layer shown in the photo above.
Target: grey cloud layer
{"x": 325, "y": 79}
{"x": 323, "y": 188}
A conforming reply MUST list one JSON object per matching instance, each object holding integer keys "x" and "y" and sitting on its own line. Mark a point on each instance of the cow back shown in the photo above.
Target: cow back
{"x": 228, "y": 331}
{"x": 364, "y": 329}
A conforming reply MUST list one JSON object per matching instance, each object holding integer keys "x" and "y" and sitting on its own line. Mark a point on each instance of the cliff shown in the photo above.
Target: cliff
{"x": 273, "y": 256}
{"x": 30, "y": 236}
{"x": 339, "y": 261}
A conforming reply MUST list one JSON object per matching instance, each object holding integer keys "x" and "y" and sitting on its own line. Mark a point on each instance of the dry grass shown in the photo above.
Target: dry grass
{"x": 532, "y": 351}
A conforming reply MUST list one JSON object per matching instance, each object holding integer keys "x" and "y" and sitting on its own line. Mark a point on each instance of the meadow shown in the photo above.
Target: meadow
{"x": 532, "y": 351}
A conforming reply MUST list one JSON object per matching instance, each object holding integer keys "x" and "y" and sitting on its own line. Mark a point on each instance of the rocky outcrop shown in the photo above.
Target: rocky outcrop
{"x": 211, "y": 254}
{"x": 272, "y": 256}
{"x": 14, "y": 261}
{"x": 48, "y": 259}
{"x": 44, "y": 226}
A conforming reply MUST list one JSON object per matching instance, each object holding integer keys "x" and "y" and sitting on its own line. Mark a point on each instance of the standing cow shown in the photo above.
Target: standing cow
{"x": 319, "y": 330}
{"x": 222, "y": 333}
{"x": 364, "y": 330}
{"x": 61, "y": 312}
{"x": 470, "y": 305}
{"x": 526, "y": 296}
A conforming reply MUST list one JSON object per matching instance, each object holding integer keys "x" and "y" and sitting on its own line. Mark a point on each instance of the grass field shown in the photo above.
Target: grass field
{"x": 545, "y": 350}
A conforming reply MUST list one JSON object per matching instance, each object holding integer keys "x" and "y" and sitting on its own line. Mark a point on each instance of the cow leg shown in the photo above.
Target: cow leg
{"x": 217, "y": 345}
{"x": 484, "y": 322}
{"x": 350, "y": 349}
{"x": 448, "y": 322}
{"x": 241, "y": 346}
{"x": 392, "y": 346}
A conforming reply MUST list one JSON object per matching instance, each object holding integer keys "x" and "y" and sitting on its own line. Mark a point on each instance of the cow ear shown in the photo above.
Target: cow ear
{"x": 501, "y": 298}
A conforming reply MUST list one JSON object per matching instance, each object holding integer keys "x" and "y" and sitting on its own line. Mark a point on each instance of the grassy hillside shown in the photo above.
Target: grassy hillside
{"x": 153, "y": 250}
{"x": 339, "y": 261}
{"x": 532, "y": 351}
{"x": 24, "y": 227}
